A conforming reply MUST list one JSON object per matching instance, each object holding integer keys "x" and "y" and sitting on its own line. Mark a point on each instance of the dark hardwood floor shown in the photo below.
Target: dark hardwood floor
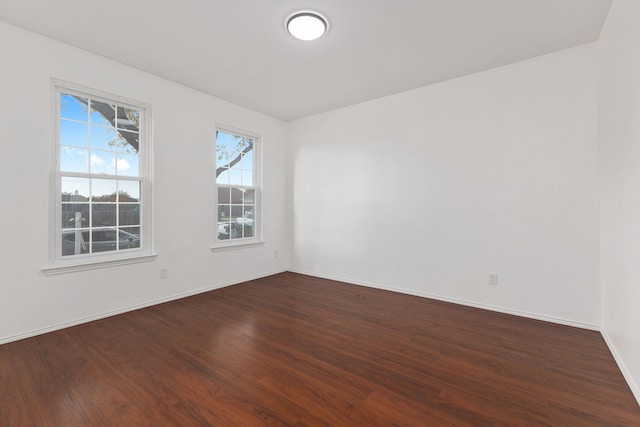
{"x": 293, "y": 350}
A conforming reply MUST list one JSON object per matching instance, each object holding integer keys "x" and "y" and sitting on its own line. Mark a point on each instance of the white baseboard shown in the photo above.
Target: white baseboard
{"x": 623, "y": 368}
{"x": 519, "y": 313}
{"x": 40, "y": 331}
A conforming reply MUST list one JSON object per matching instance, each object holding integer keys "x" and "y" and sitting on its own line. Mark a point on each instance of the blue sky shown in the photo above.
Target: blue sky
{"x": 85, "y": 145}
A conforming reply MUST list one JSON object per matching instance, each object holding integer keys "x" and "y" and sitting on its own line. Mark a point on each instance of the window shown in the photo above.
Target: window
{"x": 238, "y": 187}
{"x": 102, "y": 205}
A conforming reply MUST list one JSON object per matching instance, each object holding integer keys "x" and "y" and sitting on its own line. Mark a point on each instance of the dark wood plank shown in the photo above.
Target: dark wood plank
{"x": 295, "y": 350}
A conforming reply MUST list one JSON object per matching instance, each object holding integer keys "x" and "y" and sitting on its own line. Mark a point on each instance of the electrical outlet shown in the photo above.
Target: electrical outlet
{"x": 493, "y": 279}
{"x": 163, "y": 273}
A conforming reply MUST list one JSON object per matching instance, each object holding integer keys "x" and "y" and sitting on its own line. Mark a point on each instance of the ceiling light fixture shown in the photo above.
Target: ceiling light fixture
{"x": 307, "y": 25}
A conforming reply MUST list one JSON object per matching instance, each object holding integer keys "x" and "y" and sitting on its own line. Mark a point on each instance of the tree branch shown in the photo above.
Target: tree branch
{"x": 110, "y": 115}
{"x": 235, "y": 161}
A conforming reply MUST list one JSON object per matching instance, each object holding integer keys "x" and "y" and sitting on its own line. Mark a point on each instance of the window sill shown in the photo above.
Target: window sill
{"x": 72, "y": 267}
{"x": 231, "y": 246}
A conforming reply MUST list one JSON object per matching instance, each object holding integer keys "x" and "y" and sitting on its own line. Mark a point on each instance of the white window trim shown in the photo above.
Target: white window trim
{"x": 96, "y": 264}
{"x": 223, "y": 247}
{"x": 56, "y": 263}
{"x": 250, "y": 242}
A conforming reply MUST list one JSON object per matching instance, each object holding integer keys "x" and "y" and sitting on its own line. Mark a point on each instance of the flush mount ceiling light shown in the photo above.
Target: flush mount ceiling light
{"x": 307, "y": 25}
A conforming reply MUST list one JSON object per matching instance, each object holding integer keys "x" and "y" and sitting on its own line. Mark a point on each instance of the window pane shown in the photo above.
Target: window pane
{"x": 236, "y": 230}
{"x": 74, "y": 160}
{"x": 128, "y": 231}
{"x": 222, "y": 149}
{"x": 247, "y": 161}
{"x": 74, "y": 134}
{"x": 128, "y": 142}
{"x": 224, "y": 213}
{"x": 75, "y": 215}
{"x": 236, "y": 213}
{"x": 236, "y": 196}
{"x": 75, "y": 189}
{"x": 104, "y": 235}
{"x": 247, "y": 229}
{"x": 128, "y": 191}
{"x": 235, "y": 176}
{"x": 103, "y": 215}
{"x": 68, "y": 242}
{"x": 223, "y": 177}
{"x": 102, "y": 162}
{"x": 103, "y": 190}
{"x": 247, "y": 178}
{"x": 127, "y": 165}
{"x": 102, "y": 113}
{"x": 71, "y": 107}
{"x": 103, "y": 138}
{"x": 249, "y": 197}
{"x": 234, "y": 155}
{"x": 247, "y": 221}
{"x": 224, "y": 195}
{"x": 242, "y": 143}
{"x": 129, "y": 119}
{"x": 103, "y": 240}
{"x": 224, "y": 230}
{"x": 129, "y": 238}
{"x": 130, "y": 214}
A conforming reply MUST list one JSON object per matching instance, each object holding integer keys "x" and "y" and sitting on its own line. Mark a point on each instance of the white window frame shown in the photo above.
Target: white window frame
{"x": 59, "y": 264}
{"x": 257, "y": 239}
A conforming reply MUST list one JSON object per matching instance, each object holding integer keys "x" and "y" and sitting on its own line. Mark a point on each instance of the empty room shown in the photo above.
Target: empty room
{"x": 320, "y": 213}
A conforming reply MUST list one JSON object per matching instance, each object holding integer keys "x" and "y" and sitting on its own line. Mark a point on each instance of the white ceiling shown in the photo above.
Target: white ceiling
{"x": 239, "y": 50}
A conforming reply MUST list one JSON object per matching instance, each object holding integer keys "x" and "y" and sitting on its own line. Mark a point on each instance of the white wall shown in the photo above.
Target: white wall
{"x": 619, "y": 155}
{"x": 183, "y": 136}
{"x": 430, "y": 190}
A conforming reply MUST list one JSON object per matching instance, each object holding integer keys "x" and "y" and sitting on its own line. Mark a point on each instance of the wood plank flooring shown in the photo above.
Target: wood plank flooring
{"x": 294, "y": 350}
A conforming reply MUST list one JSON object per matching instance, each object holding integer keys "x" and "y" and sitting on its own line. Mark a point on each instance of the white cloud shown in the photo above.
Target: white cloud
{"x": 96, "y": 161}
{"x": 123, "y": 164}
{"x": 72, "y": 151}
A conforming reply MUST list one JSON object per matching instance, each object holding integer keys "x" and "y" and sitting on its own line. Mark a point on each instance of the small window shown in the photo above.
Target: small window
{"x": 102, "y": 193}
{"x": 237, "y": 187}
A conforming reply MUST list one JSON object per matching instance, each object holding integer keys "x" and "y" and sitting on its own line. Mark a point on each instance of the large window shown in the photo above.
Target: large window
{"x": 238, "y": 187}
{"x": 101, "y": 189}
